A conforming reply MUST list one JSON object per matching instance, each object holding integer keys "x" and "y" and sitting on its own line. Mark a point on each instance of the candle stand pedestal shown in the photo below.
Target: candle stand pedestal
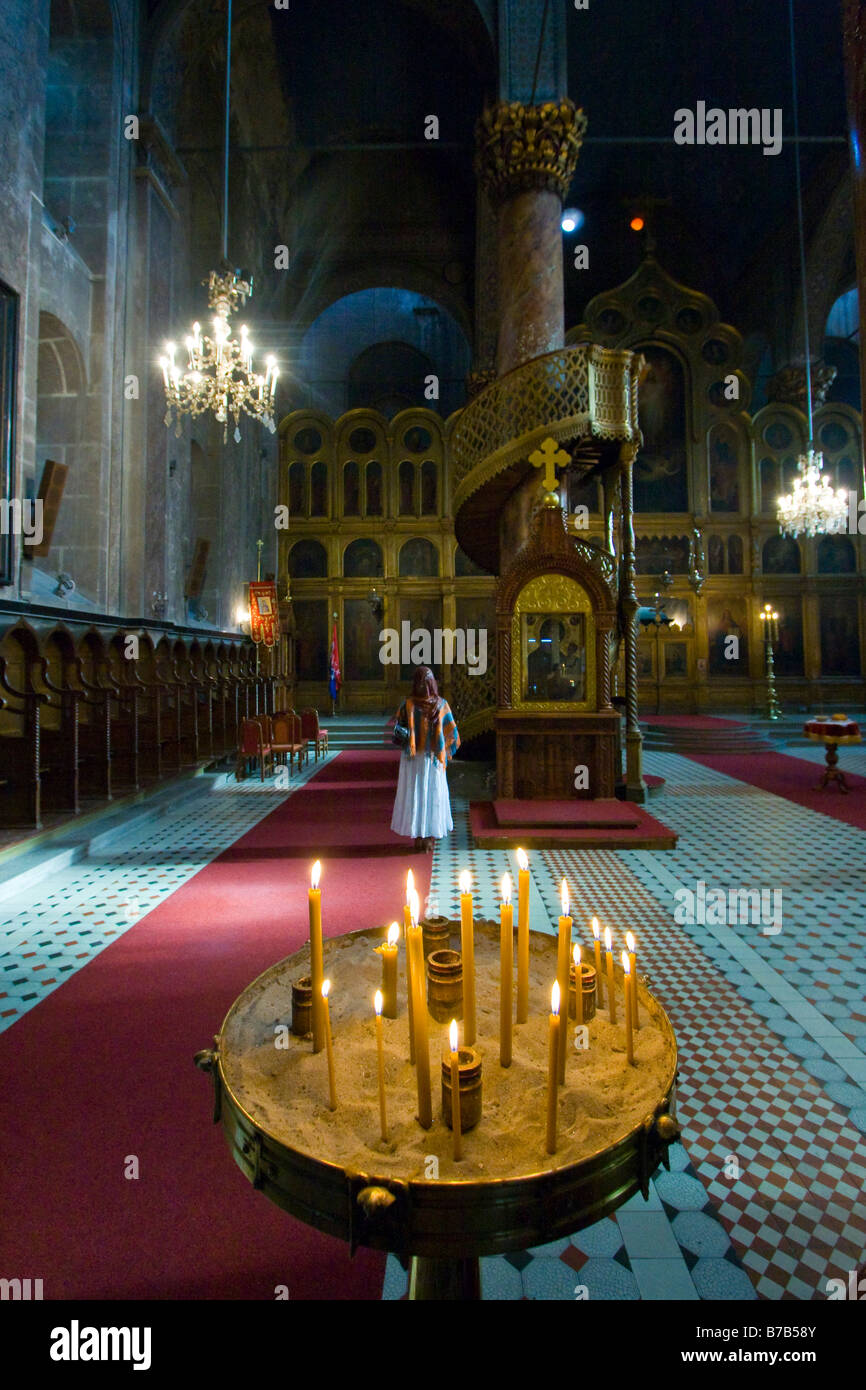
{"x": 438, "y": 1227}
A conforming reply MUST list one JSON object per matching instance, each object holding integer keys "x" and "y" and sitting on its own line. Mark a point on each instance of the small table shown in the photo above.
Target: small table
{"x": 831, "y": 732}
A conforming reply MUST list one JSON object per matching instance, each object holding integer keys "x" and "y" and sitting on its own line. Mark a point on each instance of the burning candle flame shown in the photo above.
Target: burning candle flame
{"x": 393, "y": 934}
{"x": 596, "y": 929}
{"x": 465, "y": 881}
{"x": 554, "y": 998}
{"x": 326, "y": 988}
{"x": 452, "y": 1035}
{"x": 523, "y": 859}
{"x": 316, "y": 874}
{"x": 626, "y": 963}
{"x": 410, "y": 885}
{"x": 414, "y": 907}
{"x": 608, "y": 939}
{"x": 576, "y": 954}
{"x": 506, "y": 888}
{"x": 629, "y": 941}
{"x": 378, "y": 1001}
{"x": 563, "y": 897}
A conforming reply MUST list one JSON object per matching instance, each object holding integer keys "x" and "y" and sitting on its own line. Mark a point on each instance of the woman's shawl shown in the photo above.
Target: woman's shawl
{"x": 438, "y": 739}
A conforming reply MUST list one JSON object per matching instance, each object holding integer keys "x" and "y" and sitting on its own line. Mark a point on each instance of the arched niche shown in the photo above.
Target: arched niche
{"x": 724, "y": 454}
{"x": 308, "y": 559}
{"x": 362, "y": 559}
{"x": 660, "y": 470}
{"x": 419, "y": 559}
{"x": 781, "y": 555}
{"x": 836, "y": 555}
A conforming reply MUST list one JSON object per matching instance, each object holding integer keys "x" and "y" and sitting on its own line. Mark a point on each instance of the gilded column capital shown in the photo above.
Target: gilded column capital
{"x": 520, "y": 147}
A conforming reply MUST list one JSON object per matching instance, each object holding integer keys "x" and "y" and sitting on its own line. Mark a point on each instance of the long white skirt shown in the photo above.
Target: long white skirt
{"x": 422, "y": 807}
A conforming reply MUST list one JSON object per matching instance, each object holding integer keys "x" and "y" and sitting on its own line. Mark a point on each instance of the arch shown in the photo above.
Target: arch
{"x": 373, "y": 489}
{"x": 429, "y": 488}
{"x": 362, "y": 559}
{"x": 298, "y": 505}
{"x": 388, "y": 376}
{"x": 836, "y": 555}
{"x": 661, "y": 468}
{"x": 406, "y": 479}
{"x": 351, "y": 489}
{"x": 781, "y": 555}
{"x": 308, "y": 559}
{"x": 419, "y": 559}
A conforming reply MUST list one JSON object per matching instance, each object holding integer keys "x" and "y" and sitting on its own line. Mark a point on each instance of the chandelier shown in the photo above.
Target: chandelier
{"x": 812, "y": 507}
{"x": 219, "y": 372}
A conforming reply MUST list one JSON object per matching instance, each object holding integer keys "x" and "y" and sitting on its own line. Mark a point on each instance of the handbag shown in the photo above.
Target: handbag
{"x": 400, "y": 736}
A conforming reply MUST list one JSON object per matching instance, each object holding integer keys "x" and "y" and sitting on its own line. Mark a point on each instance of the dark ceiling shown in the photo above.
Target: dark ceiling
{"x": 352, "y": 73}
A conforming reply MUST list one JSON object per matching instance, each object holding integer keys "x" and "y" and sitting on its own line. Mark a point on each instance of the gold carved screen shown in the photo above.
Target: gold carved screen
{"x": 553, "y": 646}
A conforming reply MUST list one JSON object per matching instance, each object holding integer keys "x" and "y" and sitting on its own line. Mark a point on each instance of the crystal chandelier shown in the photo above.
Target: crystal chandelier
{"x": 219, "y": 372}
{"x": 812, "y": 507}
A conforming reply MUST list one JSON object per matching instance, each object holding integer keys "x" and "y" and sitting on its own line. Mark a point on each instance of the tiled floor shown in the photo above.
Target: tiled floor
{"x": 771, "y": 1030}
{"x": 765, "y": 1197}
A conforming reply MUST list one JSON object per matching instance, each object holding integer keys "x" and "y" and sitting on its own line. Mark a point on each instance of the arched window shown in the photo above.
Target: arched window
{"x": 781, "y": 555}
{"x": 351, "y": 490}
{"x": 419, "y": 559}
{"x": 373, "y": 475}
{"x": 363, "y": 560}
{"x": 735, "y": 555}
{"x": 836, "y": 555}
{"x": 319, "y": 489}
{"x": 308, "y": 560}
{"x": 298, "y": 489}
{"x": 429, "y": 488}
{"x": 716, "y": 555}
{"x": 407, "y": 488}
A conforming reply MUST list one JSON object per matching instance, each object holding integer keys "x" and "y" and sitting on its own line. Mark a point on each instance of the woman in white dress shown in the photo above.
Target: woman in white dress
{"x": 422, "y": 807}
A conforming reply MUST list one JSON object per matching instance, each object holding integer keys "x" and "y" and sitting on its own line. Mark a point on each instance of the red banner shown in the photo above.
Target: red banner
{"x": 264, "y": 619}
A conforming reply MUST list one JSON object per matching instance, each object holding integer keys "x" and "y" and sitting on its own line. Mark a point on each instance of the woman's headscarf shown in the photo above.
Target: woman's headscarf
{"x": 425, "y": 692}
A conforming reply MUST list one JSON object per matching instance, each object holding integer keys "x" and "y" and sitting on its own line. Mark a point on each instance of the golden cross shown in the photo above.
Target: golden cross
{"x": 549, "y": 457}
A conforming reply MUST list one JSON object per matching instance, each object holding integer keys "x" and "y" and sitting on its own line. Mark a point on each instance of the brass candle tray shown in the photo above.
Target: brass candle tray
{"x": 443, "y": 1220}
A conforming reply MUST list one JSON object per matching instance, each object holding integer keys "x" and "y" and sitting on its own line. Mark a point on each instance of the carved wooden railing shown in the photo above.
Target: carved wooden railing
{"x": 473, "y": 700}
{"x": 577, "y": 392}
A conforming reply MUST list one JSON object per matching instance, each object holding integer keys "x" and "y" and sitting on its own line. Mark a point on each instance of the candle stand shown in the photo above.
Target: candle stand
{"x": 441, "y": 1228}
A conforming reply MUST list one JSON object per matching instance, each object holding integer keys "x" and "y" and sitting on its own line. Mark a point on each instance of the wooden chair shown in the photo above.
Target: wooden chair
{"x": 288, "y": 738}
{"x": 252, "y": 746}
{"x": 312, "y": 732}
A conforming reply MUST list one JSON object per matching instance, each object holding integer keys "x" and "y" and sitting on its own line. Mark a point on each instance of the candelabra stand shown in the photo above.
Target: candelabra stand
{"x": 770, "y": 620}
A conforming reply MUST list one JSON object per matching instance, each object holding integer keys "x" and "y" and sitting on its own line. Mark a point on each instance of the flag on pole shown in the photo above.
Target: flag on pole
{"x": 335, "y": 677}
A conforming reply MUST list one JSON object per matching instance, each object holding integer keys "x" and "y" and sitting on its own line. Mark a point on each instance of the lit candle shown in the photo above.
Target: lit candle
{"x": 552, "y": 1064}
{"x": 522, "y": 937}
{"x": 611, "y": 1003}
{"x": 410, "y": 998}
{"x": 578, "y": 987}
{"x": 599, "y": 991}
{"x": 422, "y": 1047}
{"x": 506, "y": 965}
{"x": 389, "y": 971}
{"x": 317, "y": 969}
{"x": 332, "y": 1085}
{"x": 383, "y": 1123}
{"x": 455, "y": 1092}
{"x": 467, "y": 949}
{"x": 626, "y": 982}
{"x": 630, "y": 943}
{"x": 563, "y": 960}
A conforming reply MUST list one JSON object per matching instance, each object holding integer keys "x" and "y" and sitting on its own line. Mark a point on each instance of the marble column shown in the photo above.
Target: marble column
{"x": 854, "y": 26}
{"x": 526, "y": 157}
{"x": 635, "y": 785}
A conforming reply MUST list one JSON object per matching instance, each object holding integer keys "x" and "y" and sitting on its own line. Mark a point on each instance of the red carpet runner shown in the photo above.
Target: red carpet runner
{"x": 103, "y": 1069}
{"x": 795, "y": 779}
